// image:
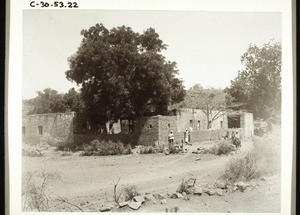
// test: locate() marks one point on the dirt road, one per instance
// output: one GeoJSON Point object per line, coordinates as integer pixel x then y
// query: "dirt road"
{"type": "Point", "coordinates": [88, 181]}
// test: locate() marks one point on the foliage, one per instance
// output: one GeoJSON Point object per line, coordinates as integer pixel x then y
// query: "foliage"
{"type": "Point", "coordinates": [50, 101]}
{"type": "Point", "coordinates": [150, 149]}
{"type": "Point", "coordinates": [50, 140]}
{"type": "Point", "coordinates": [97, 148]}
{"type": "Point", "coordinates": [263, 160]}
{"type": "Point", "coordinates": [130, 191]}
{"type": "Point", "coordinates": [257, 88]}
{"type": "Point", "coordinates": [211, 101]}
{"type": "Point", "coordinates": [34, 192]}
{"type": "Point", "coordinates": [222, 147]}
{"type": "Point", "coordinates": [32, 151]}
{"type": "Point", "coordinates": [123, 74]}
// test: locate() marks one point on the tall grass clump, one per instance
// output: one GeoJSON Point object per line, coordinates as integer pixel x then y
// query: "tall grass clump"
{"type": "Point", "coordinates": [35, 195]}
{"type": "Point", "coordinates": [130, 191]}
{"type": "Point", "coordinates": [98, 148]}
{"type": "Point", "coordinates": [263, 160]}
{"type": "Point", "coordinates": [222, 147]}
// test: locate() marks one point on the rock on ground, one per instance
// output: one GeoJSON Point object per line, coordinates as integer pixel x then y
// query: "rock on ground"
{"type": "Point", "coordinates": [105, 208]}
{"type": "Point", "coordinates": [163, 201]}
{"type": "Point", "coordinates": [134, 205]}
{"type": "Point", "coordinates": [139, 199]}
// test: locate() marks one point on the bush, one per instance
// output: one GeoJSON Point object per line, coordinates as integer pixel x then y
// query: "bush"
{"type": "Point", "coordinates": [130, 191]}
{"type": "Point", "coordinates": [263, 160]}
{"type": "Point", "coordinates": [151, 149]}
{"type": "Point", "coordinates": [50, 140]}
{"type": "Point", "coordinates": [222, 147]}
{"type": "Point", "coordinates": [34, 190]}
{"type": "Point", "coordinates": [105, 148]}
{"type": "Point", "coordinates": [32, 151]}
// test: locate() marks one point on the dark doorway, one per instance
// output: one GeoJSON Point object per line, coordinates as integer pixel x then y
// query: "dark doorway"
{"type": "Point", "coordinates": [234, 121]}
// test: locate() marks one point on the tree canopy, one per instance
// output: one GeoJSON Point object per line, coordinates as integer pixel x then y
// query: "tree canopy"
{"type": "Point", "coordinates": [123, 74]}
{"type": "Point", "coordinates": [50, 101]}
{"type": "Point", "coordinates": [257, 88]}
{"type": "Point", "coordinates": [211, 101]}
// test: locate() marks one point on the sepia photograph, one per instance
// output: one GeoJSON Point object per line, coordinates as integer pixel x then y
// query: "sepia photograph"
{"type": "Point", "coordinates": [151, 111]}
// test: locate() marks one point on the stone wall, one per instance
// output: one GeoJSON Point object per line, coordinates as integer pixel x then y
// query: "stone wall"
{"type": "Point", "coordinates": [197, 119]}
{"type": "Point", "coordinates": [59, 125]}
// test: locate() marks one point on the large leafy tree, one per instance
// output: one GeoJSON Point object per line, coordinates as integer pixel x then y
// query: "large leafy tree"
{"type": "Point", "coordinates": [50, 101]}
{"type": "Point", "coordinates": [123, 74]}
{"type": "Point", "coordinates": [211, 101]}
{"type": "Point", "coordinates": [47, 101]}
{"type": "Point", "coordinates": [257, 88]}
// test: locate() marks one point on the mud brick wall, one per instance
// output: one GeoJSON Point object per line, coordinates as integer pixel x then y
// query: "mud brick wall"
{"type": "Point", "coordinates": [59, 125]}
{"type": "Point", "coordinates": [166, 124]}
{"type": "Point", "coordinates": [197, 119]}
{"type": "Point", "coordinates": [146, 131]}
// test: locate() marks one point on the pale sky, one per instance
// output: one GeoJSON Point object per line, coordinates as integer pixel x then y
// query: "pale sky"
{"type": "Point", "coordinates": [207, 46]}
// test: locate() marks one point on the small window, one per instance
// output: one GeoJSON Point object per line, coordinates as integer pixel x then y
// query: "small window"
{"type": "Point", "coordinates": [169, 125]}
{"type": "Point", "coordinates": [221, 124]}
{"type": "Point", "coordinates": [198, 125]}
{"type": "Point", "coordinates": [149, 126]}
{"type": "Point", "coordinates": [40, 128]}
{"type": "Point", "coordinates": [24, 130]}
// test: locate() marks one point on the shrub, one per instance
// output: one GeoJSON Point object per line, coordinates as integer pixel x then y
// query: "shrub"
{"type": "Point", "coordinates": [151, 149]}
{"type": "Point", "coordinates": [32, 151]}
{"type": "Point", "coordinates": [105, 148]}
{"type": "Point", "coordinates": [34, 190]}
{"type": "Point", "coordinates": [50, 140]}
{"type": "Point", "coordinates": [130, 191]}
{"type": "Point", "coordinates": [222, 147]}
{"type": "Point", "coordinates": [263, 160]}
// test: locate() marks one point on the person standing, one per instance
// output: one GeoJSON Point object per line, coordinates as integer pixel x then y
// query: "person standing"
{"type": "Point", "coordinates": [171, 138]}
{"type": "Point", "coordinates": [186, 137]}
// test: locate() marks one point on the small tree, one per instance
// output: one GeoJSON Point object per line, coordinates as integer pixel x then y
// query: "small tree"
{"type": "Point", "coordinates": [211, 101]}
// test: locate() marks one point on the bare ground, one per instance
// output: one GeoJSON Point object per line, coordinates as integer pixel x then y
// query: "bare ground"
{"type": "Point", "coordinates": [88, 181]}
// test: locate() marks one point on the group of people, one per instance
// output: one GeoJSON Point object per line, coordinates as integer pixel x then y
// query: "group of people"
{"type": "Point", "coordinates": [234, 136]}
{"type": "Point", "coordinates": [186, 137]}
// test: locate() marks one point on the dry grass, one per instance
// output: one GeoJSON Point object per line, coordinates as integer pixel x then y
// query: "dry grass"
{"type": "Point", "coordinates": [262, 160]}
{"type": "Point", "coordinates": [129, 192]}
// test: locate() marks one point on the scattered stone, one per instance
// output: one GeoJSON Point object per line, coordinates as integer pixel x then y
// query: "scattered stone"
{"type": "Point", "coordinates": [149, 197]}
{"type": "Point", "coordinates": [220, 184]}
{"type": "Point", "coordinates": [242, 185]}
{"type": "Point", "coordinates": [253, 184]}
{"type": "Point", "coordinates": [158, 196]}
{"type": "Point", "coordinates": [163, 201]}
{"type": "Point", "coordinates": [219, 192]}
{"type": "Point", "coordinates": [198, 159]}
{"type": "Point", "coordinates": [139, 199]}
{"type": "Point", "coordinates": [235, 188]}
{"type": "Point", "coordinates": [123, 204]}
{"type": "Point", "coordinates": [176, 195]}
{"type": "Point", "coordinates": [191, 182]}
{"type": "Point", "coordinates": [166, 152]}
{"type": "Point", "coordinates": [105, 208]}
{"type": "Point", "coordinates": [134, 205]}
{"type": "Point", "coordinates": [211, 192]}
{"type": "Point", "coordinates": [198, 191]}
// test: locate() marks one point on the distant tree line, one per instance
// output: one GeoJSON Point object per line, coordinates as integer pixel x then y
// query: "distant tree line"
{"type": "Point", "coordinates": [122, 74]}
{"type": "Point", "coordinates": [50, 101]}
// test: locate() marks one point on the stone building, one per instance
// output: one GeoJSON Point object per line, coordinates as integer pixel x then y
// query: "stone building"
{"type": "Point", "coordinates": [150, 130]}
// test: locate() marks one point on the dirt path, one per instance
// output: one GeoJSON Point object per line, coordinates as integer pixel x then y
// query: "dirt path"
{"type": "Point", "coordinates": [89, 181]}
